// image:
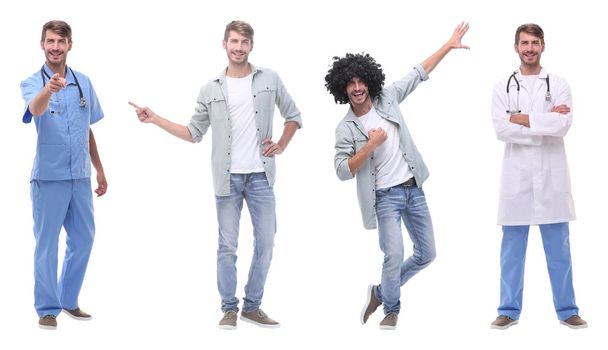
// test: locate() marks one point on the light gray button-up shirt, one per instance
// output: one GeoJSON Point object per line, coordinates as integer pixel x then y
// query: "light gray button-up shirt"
{"type": "Point", "coordinates": [212, 110]}
{"type": "Point", "coordinates": [351, 137]}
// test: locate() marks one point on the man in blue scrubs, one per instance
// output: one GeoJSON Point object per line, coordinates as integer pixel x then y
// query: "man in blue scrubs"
{"type": "Point", "coordinates": [63, 105]}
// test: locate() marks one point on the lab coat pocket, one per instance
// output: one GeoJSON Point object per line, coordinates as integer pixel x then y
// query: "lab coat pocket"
{"type": "Point", "coordinates": [510, 183]}
{"type": "Point", "coordinates": [560, 180]}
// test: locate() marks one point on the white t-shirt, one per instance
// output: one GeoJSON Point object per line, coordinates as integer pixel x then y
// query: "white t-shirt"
{"type": "Point", "coordinates": [245, 152]}
{"type": "Point", "coordinates": [391, 168]}
{"type": "Point", "coordinates": [530, 81]}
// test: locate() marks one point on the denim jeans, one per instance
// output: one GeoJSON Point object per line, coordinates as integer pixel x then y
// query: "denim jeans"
{"type": "Point", "coordinates": [393, 205]}
{"type": "Point", "coordinates": [512, 260]}
{"type": "Point", "coordinates": [259, 195]}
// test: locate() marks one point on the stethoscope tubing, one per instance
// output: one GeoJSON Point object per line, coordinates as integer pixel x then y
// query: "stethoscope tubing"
{"type": "Point", "coordinates": [44, 74]}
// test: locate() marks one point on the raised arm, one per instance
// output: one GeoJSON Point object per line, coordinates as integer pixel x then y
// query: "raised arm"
{"type": "Point", "coordinates": [146, 115]}
{"type": "Point", "coordinates": [454, 43]}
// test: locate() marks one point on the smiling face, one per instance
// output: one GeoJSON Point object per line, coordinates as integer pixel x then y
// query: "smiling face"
{"type": "Point", "coordinates": [55, 48]}
{"type": "Point", "coordinates": [358, 94]}
{"type": "Point", "coordinates": [529, 48]}
{"type": "Point", "coordinates": [238, 48]}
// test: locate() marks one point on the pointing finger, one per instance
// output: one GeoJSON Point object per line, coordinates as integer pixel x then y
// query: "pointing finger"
{"type": "Point", "coordinates": [134, 105]}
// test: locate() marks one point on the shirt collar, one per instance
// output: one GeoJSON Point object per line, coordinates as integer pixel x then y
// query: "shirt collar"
{"type": "Point", "coordinates": [220, 78]}
{"type": "Point", "coordinates": [69, 77]}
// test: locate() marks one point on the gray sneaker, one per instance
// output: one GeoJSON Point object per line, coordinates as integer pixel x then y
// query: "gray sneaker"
{"type": "Point", "coordinates": [229, 320]}
{"type": "Point", "coordinates": [389, 321]}
{"type": "Point", "coordinates": [258, 317]}
{"type": "Point", "coordinates": [574, 322]}
{"type": "Point", "coordinates": [48, 322]}
{"type": "Point", "coordinates": [503, 322]}
{"type": "Point", "coordinates": [371, 304]}
{"type": "Point", "coordinates": [77, 314]}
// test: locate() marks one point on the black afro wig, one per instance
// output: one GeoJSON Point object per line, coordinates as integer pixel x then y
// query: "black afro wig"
{"type": "Point", "coordinates": [360, 65]}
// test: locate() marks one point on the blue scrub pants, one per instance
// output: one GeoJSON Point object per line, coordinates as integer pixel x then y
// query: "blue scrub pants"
{"type": "Point", "coordinates": [55, 204]}
{"type": "Point", "coordinates": [512, 259]}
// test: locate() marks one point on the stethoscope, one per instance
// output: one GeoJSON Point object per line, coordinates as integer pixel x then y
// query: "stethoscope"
{"type": "Point", "coordinates": [83, 102]}
{"type": "Point", "coordinates": [517, 110]}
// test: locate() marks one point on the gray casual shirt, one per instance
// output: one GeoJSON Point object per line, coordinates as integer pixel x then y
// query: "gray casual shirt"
{"type": "Point", "coordinates": [351, 137]}
{"type": "Point", "coordinates": [212, 110]}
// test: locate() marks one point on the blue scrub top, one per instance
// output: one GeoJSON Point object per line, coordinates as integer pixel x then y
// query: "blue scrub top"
{"type": "Point", "coordinates": [62, 148]}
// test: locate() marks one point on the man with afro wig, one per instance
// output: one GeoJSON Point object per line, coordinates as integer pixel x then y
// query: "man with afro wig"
{"type": "Point", "coordinates": [374, 145]}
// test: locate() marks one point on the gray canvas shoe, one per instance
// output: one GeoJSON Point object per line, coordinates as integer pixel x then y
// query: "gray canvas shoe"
{"type": "Point", "coordinates": [229, 320]}
{"type": "Point", "coordinates": [371, 304]}
{"type": "Point", "coordinates": [78, 314]}
{"type": "Point", "coordinates": [48, 322]}
{"type": "Point", "coordinates": [503, 322]}
{"type": "Point", "coordinates": [259, 318]}
{"type": "Point", "coordinates": [574, 322]}
{"type": "Point", "coordinates": [389, 322]}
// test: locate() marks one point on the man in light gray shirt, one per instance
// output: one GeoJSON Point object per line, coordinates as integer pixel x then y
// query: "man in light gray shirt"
{"type": "Point", "coordinates": [373, 143]}
{"type": "Point", "coordinates": [239, 106]}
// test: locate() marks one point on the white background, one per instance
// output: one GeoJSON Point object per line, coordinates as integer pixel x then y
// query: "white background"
{"type": "Point", "coordinates": [151, 279]}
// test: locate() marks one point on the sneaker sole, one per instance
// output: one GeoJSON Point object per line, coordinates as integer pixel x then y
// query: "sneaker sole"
{"type": "Point", "coordinates": [370, 290]}
{"type": "Point", "coordinates": [263, 325]}
{"type": "Point", "coordinates": [388, 328]}
{"type": "Point", "coordinates": [502, 328]}
{"type": "Point", "coordinates": [49, 328]}
{"type": "Point", "coordinates": [77, 317]}
{"type": "Point", "coordinates": [227, 327]}
{"type": "Point", "coordinates": [573, 326]}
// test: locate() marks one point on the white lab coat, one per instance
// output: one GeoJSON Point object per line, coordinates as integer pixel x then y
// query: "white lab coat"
{"type": "Point", "coordinates": [535, 182]}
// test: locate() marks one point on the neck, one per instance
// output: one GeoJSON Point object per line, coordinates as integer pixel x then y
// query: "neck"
{"type": "Point", "coordinates": [362, 109]}
{"type": "Point", "coordinates": [530, 70]}
{"type": "Point", "coordinates": [57, 68]}
{"type": "Point", "coordinates": [238, 70]}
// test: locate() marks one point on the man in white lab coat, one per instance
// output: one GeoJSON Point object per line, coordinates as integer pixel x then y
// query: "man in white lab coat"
{"type": "Point", "coordinates": [532, 113]}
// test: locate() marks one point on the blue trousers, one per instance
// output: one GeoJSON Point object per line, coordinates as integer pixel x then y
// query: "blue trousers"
{"type": "Point", "coordinates": [55, 204]}
{"type": "Point", "coordinates": [259, 196]}
{"type": "Point", "coordinates": [394, 205]}
{"type": "Point", "coordinates": [512, 260]}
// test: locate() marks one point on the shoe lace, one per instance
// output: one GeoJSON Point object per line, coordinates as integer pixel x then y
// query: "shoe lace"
{"type": "Point", "coordinates": [391, 316]}
{"type": "Point", "coordinates": [49, 317]}
{"type": "Point", "coordinates": [229, 315]}
{"type": "Point", "coordinates": [261, 314]}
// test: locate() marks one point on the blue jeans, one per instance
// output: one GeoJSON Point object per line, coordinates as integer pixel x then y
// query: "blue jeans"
{"type": "Point", "coordinates": [393, 205]}
{"type": "Point", "coordinates": [57, 204]}
{"type": "Point", "coordinates": [513, 257]}
{"type": "Point", "coordinates": [259, 195]}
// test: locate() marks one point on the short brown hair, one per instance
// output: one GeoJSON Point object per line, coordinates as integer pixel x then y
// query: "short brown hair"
{"type": "Point", "coordinates": [532, 29]}
{"type": "Point", "coordinates": [58, 27]}
{"type": "Point", "coordinates": [240, 27]}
